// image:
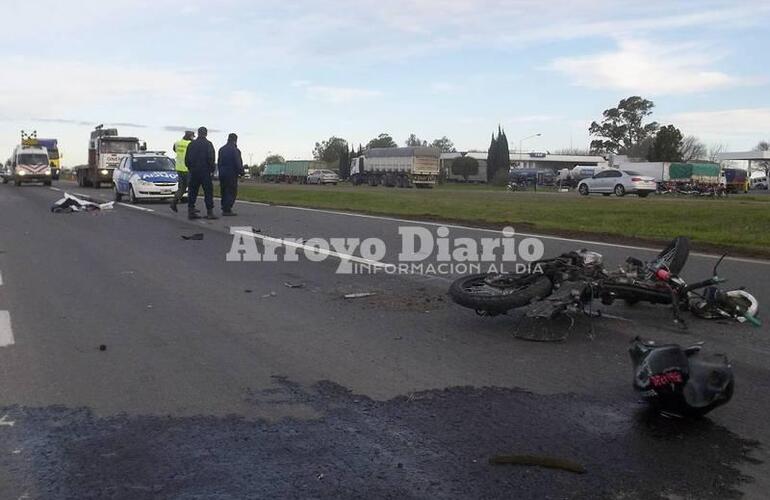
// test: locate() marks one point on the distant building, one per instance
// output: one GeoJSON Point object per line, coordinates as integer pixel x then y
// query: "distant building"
{"type": "Point", "coordinates": [554, 163]}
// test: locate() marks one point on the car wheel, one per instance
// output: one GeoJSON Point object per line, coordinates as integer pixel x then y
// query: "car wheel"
{"type": "Point", "coordinates": [47, 183]}
{"type": "Point", "coordinates": [118, 196]}
{"type": "Point", "coordinates": [5, 180]}
{"type": "Point", "coordinates": [583, 189]}
{"type": "Point", "coordinates": [132, 196]}
{"type": "Point", "coordinates": [17, 183]}
{"type": "Point", "coordinates": [620, 190]}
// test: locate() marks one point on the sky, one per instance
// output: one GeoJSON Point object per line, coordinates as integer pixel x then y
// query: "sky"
{"type": "Point", "coordinates": [286, 74]}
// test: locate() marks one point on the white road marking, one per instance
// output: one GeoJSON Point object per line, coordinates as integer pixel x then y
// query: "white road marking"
{"type": "Point", "coordinates": [6, 333]}
{"type": "Point", "coordinates": [496, 231]}
{"type": "Point", "coordinates": [4, 422]}
{"type": "Point", "coordinates": [321, 251]}
{"type": "Point", "coordinates": [135, 207]}
{"type": "Point", "coordinates": [1, 279]}
{"type": "Point", "coordinates": [54, 189]}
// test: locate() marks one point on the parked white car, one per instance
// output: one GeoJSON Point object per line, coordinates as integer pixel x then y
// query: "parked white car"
{"type": "Point", "coordinates": [619, 182]}
{"type": "Point", "coordinates": [323, 177]}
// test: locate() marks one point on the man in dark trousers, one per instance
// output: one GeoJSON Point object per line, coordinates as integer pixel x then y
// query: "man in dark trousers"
{"type": "Point", "coordinates": [200, 161]}
{"type": "Point", "coordinates": [230, 166]}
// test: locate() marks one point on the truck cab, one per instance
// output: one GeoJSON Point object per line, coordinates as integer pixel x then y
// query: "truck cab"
{"type": "Point", "coordinates": [106, 149]}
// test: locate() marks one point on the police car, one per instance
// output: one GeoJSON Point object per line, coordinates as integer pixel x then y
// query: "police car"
{"type": "Point", "coordinates": [145, 175]}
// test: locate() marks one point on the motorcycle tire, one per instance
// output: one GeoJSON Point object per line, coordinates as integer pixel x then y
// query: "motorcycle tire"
{"type": "Point", "coordinates": [478, 291]}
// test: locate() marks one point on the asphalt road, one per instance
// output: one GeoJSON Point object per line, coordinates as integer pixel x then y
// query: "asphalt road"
{"type": "Point", "coordinates": [216, 380]}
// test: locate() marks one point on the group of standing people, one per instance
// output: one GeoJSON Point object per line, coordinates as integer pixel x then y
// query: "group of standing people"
{"type": "Point", "coordinates": [196, 163]}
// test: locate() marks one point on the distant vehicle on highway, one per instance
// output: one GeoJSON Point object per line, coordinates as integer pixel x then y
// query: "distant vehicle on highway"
{"type": "Point", "coordinates": [323, 177]}
{"type": "Point", "coordinates": [619, 182]}
{"type": "Point", "coordinates": [146, 175]}
{"type": "Point", "coordinates": [402, 167]}
{"type": "Point", "coordinates": [106, 149]}
{"type": "Point", "coordinates": [758, 181]}
{"type": "Point", "coordinates": [28, 163]}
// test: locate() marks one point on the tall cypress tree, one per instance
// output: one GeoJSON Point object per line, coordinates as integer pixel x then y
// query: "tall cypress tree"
{"type": "Point", "coordinates": [504, 153]}
{"type": "Point", "coordinates": [491, 159]}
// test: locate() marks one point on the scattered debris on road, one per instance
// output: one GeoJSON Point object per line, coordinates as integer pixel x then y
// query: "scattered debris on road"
{"type": "Point", "coordinates": [102, 347]}
{"type": "Point", "coordinates": [196, 237]}
{"type": "Point", "coordinates": [289, 284]}
{"type": "Point", "coordinates": [70, 203]}
{"type": "Point", "coordinates": [4, 422]}
{"type": "Point", "coordinates": [538, 461]}
{"type": "Point", "coordinates": [359, 295]}
{"type": "Point", "coordinates": [268, 295]}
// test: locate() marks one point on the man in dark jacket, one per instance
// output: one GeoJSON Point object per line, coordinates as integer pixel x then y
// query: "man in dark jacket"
{"type": "Point", "coordinates": [200, 162]}
{"type": "Point", "coordinates": [230, 166]}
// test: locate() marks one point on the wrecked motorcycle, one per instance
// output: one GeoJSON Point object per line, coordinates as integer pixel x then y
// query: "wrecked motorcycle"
{"type": "Point", "coordinates": [681, 381]}
{"type": "Point", "coordinates": [572, 281]}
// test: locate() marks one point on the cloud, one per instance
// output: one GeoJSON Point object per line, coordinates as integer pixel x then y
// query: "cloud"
{"type": "Point", "coordinates": [648, 68]}
{"type": "Point", "coordinates": [745, 125]}
{"type": "Point", "coordinates": [80, 84]}
{"type": "Point", "coordinates": [340, 95]}
{"type": "Point", "coordinates": [243, 100]}
{"type": "Point", "coordinates": [445, 88]}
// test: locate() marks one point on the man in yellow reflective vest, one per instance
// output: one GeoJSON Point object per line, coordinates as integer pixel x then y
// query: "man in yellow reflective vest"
{"type": "Point", "coordinates": [180, 148]}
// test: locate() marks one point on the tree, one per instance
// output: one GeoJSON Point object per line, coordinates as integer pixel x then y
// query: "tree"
{"type": "Point", "coordinates": [503, 152]}
{"type": "Point", "coordinates": [329, 151]}
{"type": "Point", "coordinates": [622, 127]}
{"type": "Point", "coordinates": [382, 141]}
{"type": "Point", "coordinates": [763, 146]}
{"type": "Point", "coordinates": [413, 140]}
{"type": "Point", "coordinates": [344, 164]}
{"type": "Point", "coordinates": [465, 166]}
{"type": "Point", "coordinates": [692, 149]}
{"type": "Point", "coordinates": [491, 158]}
{"type": "Point", "coordinates": [713, 152]}
{"type": "Point", "coordinates": [444, 144]}
{"type": "Point", "coordinates": [667, 145]}
{"type": "Point", "coordinates": [271, 159]}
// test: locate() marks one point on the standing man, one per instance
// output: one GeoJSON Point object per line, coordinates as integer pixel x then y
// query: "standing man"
{"type": "Point", "coordinates": [200, 161]}
{"type": "Point", "coordinates": [180, 148]}
{"type": "Point", "coordinates": [230, 166]}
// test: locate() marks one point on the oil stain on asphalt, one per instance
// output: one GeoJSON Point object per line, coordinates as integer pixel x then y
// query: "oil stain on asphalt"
{"type": "Point", "coordinates": [422, 445]}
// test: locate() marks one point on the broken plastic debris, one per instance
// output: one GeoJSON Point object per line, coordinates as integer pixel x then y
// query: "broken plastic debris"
{"type": "Point", "coordinates": [293, 285]}
{"type": "Point", "coordinates": [196, 236]}
{"type": "Point", "coordinates": [271, 294]}
{"type": "Point", "coordinates": [538, 461]}
{"type": "Point", "coordinates": [359, 295]}
{"type": "Point", "coordinates": [70, 203]}
{"type": "Point", "coordinates": [102, 347]}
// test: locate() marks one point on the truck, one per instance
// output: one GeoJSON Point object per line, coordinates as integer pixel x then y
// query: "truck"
{"type": "Point", "coordinates": [54, 156]}
{"type": "Point", "coordinates": [736, 180]}
{"type": "Point", "coordinates": [291, 171]}
{"type": "Point", "coordinates": [676, 172]}
{"type": "Point", "coordinates": [403, 167]}
{"type": "Point", "coordinates": [105, 150]}
{"type": "Point", "coordinates": [570, 177]}
{"type": "Point", "coordinates": [28, 163]}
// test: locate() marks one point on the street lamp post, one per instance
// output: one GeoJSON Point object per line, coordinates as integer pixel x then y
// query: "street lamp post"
{"type": "Point", "coordinates": [521, 154]}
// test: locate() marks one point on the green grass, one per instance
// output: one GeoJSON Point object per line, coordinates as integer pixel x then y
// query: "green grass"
{"type": "Point", "coordinates": [739, 222]}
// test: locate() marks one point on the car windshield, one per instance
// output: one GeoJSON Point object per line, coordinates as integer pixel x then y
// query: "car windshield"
{"type": "Point", "coordinates": [118, 147]}
{"type": "Point", "coordinates": [152, 163]}
{"type": "Point", "coordinates": [33, 159]}
{"type": "Point", "coordinates": [631, 172]}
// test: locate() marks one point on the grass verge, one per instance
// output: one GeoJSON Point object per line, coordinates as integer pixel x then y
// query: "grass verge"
{"type": "Point", "coordinates": [737, 224]}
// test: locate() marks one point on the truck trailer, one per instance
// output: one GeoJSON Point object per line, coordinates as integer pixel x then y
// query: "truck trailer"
{"type": "Point", "coordinates": [105, 150]}
{"type": "Point", "coordinates": [401, 167]}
